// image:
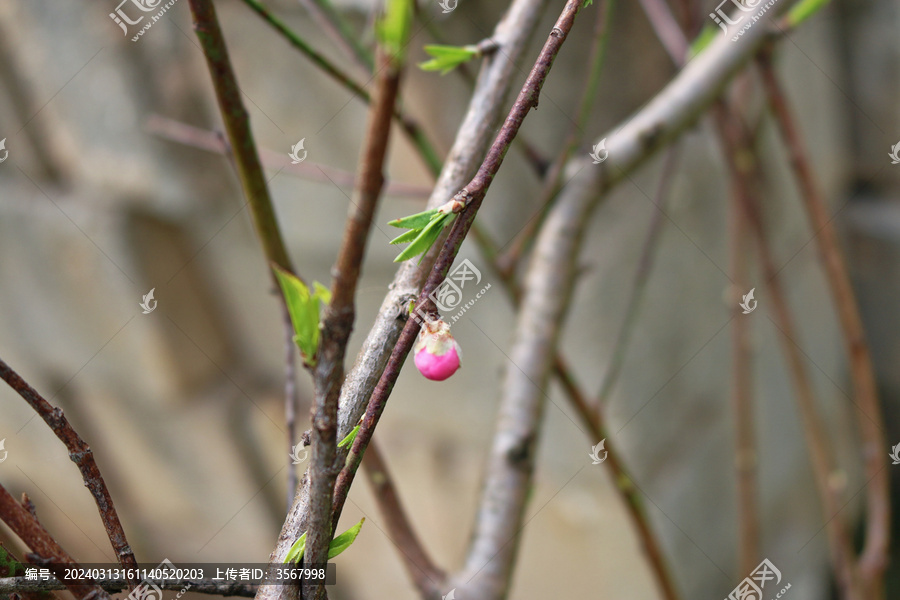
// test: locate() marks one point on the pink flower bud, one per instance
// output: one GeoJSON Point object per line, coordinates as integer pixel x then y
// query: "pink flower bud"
{"type": "Point", "coordinates": [437, 354]}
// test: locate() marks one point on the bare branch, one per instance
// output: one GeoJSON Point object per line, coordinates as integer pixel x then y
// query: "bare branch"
{"type": "Point", "coordinates": [873, 560]}
{"type": "Point", "coordinates": [82, 455]}
{"type": "Point", "coordinates": [212, 141]}
{"type": "Point", "coordinates": [337, 321]}
{"type": "Point", "coordinates": [426, 576]}
{"type": "Point", "coordinates": [240, 136]}
{"type": "Point", "coordinates": [26, 526]}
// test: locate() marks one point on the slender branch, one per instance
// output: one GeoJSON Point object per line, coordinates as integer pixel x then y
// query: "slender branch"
{"type": "Point", "coordinates": [638, 285]}
{"type": "Point", "coordinates": [873, 560]}
{"type": "Point", "coordinates": [742, 163]}
{"type": "Point", "coordinates": [337, 322]}
{"type": "Point", "coordinates": [291, 400]}
{"type": "Point", "coordinates": [196, 586]}
{"type": "Point", "coordinates": [82, 455]}
{"type": "Point", "coordinates": [410, 126]}
{"type": "Point", "coordinates": [745, 454]}
{"type": "Point", "coordinates": [554, 174]}
{"type": "Point", "coordinates": [240, 136]}
{"type": "Point", "coordinates": [212, 141]}
{"type": "Point", "coordinates": [25, 525]}
{"type": "Point", "coordinates": [426, 576]}
{"type": "Point", "coordinates": [624, 482]}
{"type": "Point", "coordinates": [340, 31]}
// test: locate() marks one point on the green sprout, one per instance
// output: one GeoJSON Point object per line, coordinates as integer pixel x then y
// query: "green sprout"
{"type": "Point", "coordinates": [424, 229]}
{"type": "Point", "coordinates": [338, 544]}
{"type": "Point", "coordinates": [303, 305]}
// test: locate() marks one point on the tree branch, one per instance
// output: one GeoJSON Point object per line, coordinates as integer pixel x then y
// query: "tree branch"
{"type": "Point", "coordinates": [82, 455]}
{"type": "Point", "coordinates": [873, 560]}
{"type": "Point", "coordinates": [337, 321]}
{"type": "Point", "coordinates": [240, 136]}
{"type": "Point", "coordinates": [426, 576]}
{"type": "Point", "coordinates": [26, 526]}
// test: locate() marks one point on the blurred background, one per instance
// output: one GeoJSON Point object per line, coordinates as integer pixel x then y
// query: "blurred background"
{"type": "Point", "coordinates": [184, 406]}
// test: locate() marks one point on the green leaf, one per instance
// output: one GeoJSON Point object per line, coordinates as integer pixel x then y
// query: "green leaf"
{"type": "Point", "coordinates": [343, 541]}
{"type": "Point", "coordinates": [403, 238]}
{"type": "Point", "coordinates": [416, 221]}
{"type": "Point", "coordinates": [804, 10]}
{"type": "Point", "coordinates": [426, 238]}
{"type": "Point", "coordinates": [322, 292]}
{"type": "Point", "coordinates": [587, 3]}
{"type": "Point", "coordinates": [338, 544]}
{"type": "Point", "coordinates": [295, 554]}
{"type": "Point", "coordinates": [447, 58]}
{"type": "Point", "coordinates": [707, 35]}
{"type": "Point", "coordinates": [350, 437]}
{"type": "Point", "coordinates": [393, 29]}
{"type": "Point", "coordinates": [303, 308]}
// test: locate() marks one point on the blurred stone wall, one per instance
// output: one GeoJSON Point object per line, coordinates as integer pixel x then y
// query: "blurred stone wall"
{"type": "Point", "coordinates": [183, 406]}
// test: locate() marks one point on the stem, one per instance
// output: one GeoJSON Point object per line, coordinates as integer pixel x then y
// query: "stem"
{"type": "Point", "coordinates": [25, 525]}
{"type": "Point", "coordinates": [426, 576]}
{"type": "Point", "coordinates": [337, 321]}
{"type": "Point", "coordinates": [873, 560]}
{"type": "Point", "coordinates": [290, 401]}
{"type": "Point", "coordinates": [745, 453]}
{"type": "Point", "coordinates": [742, 161]}
{"type": "Point", "coordinates": [82, 455]}
{"type": "Point", "coordinates": [240, 136]}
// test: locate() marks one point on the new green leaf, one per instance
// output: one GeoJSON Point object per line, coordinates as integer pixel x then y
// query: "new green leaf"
{"type": "Point", "coordinates": [426, 237]}
{"type": "Point", "coordinates": [303, 307]}
{"type": "Point", "coordinates": [416, 221]}
{"type": "Point", "coordinates": [393, 28]}
{"type": "Point", "coordinates": [350, 437]}
{"type": "Point", "coordinates": [338, 544]}
{"type": "Point", "coordinates": [447, 58]}
{"type": "Point", "coordinates": [343, 541]}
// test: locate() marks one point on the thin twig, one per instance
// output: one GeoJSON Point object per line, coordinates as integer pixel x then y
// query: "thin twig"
{"type": "Point", "coordinates": [410, 126]}
{"type": "Point", "coordinates": [873, 560]}
{"type": "Point", "coordinates": [291, 400]}
{"type": "Point", "coordinates": [426, 576]}
{"type": "Point", "coordinates": [338, 318]}
{"type": "Point", "coordinates": [327, 17]}
{"type": "Point", "coordinates": [212, 141]}
{"type": "Point", "coordinates": [240, 136]}
{"type": "Point", "coordinates": [745, 453]}
{"type": "Point", "coordinates": [554, 174]}
{"type": "Point", "coordinates": [742, 162]}
{"type": "Point", "coordinates": [25, 525]}
{"type": "Point", "coordinates": [639, 284]}
{"type": "Point", "coordinates": [82, 455]}
{"type": "Point", "coordinates": [196, 586]}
